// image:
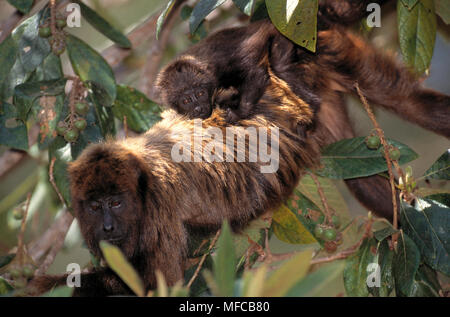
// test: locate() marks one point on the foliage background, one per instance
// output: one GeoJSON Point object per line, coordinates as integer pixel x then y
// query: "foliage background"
{"type": "Point", "coordinates": [31, 173]}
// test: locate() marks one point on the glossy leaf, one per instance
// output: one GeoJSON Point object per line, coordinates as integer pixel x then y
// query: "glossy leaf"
{"type": "Point", "coordinates": [23, 6]}
{"type": "Point", "coordinates": [441, 168]}
{"type": "Point", "coordinates": [90, 65]}
{"type": "Point", "coordinates": [384, 258]}
{"type": "Point", "coordinates": [50, 69]}
{"type": "Point", "coordinates": [287, 275]}
{"type": "Point", "coordinates": [443, 198]}
{"type": "Point", "coordinates": [246, 6]}
{"type": "Point", "coordinates": [162, 17]}
{"type": "Point", "coordinates": [141, 112]}
{"type": "Point", "coordinates": [201, 10]}
{"type": "Point", "coordinates": [6, 259]}
{"type": "Point", "coordinates": [295, 19]}
{"type": "Point", "coordinates": [427, 224]}
{"type": "Point", "coordinates": [288, 228]}
{"type": "Point", "coordinates": [8, 54]}
{"type": "Point", "coordinates": [5, 287]}
{"type": "Point", "coordinates": [32, 48]}
{"type": "Point", "coordinates": [119, 264]}
{"type": "Point", "coordinates": [317, 281]}
{"type": "Point", "coordinates": [417, 33]}
{"type": "Point", "coordinates": [405, 264]}
{"type": "Point", "coordinates": [224, 262]}
{"type": "Point", "coordinates": [13, 132]}
{"type": "Point", "coordinates": [104, 26]}
{"type": "Point", "coordinates": [351, 158]}
{"type": "Point", "coordinates": [356, 269]}
{"type": "Point", "coordinates": [442, 8]}
{"type": "Point", "coordinates": [103, 112]}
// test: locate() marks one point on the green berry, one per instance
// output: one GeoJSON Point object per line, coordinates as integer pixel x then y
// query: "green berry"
{"type": "Point", "coordinates": [15, 273]}
{"type": "Point", "coordinates": [71, 135]}
{"type": "Point", "coordinates": [18, 213]}
{"type": "Point", "coordinates": [58, 47]}
{"type": "Point", "coordinates": [28, 271]}
{"type": "Point", "coordinates": [335, 221]}
{"type": "Point", "coordinates": [329, 234]}
{"type": "Point", "coordinates": [80, 124]}
{"type": "Point", "coordinates": [81, 108]}
{"type": "Point", "coordinates": [45, 32]}
{"type": "Point", "coordinates": [394, 154]}
{"type": "Point", "coordinates": [61, 23]}
{"type": "Point", "coordinates": [373, 142]}
{"type": "Point", "coordinates": [61, 128]}
{"type": "Point", "coordinates": [318, 231]}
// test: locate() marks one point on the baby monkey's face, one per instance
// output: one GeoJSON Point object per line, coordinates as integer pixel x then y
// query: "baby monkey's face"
{"type": "Point", "coordinates": [195, 102]}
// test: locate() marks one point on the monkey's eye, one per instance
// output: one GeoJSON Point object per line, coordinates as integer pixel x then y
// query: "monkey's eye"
{"type": "Point", "coordinates": [116, 204]}
{"type": "Point", "coordinates": [200, 93]}
{"type": "Point", "coordinates": [186, 100]}
{"type": "Point", "coordinates": [95, 206]}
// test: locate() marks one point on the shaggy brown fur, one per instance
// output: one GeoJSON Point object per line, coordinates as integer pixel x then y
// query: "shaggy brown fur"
{"type": "Point", "coordinates": [166, 198]}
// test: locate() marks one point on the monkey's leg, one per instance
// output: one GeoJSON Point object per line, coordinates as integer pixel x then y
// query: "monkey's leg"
{"type": "Point", "coordinates": [382, 81]}
{"type": "Point", "coordinates": [374, 192]}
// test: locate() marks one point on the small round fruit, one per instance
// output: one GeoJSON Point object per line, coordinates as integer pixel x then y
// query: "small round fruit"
{"type": "Point", "coordinates": [58, 47]}
{"type": "Point", "coordinates": [71, 135]}
{"type": "Point", "coordinates": [80, 124]}
{"type": "Point", "coordinates": [373, 142]}
{"type": "Point", "coordinates": [81, 108]}
{"type": "Point", "coordinates": [61, 128]}
{"type": "Point", "coordinates": [28, 271]}
{"type": "Point", "coordinates": [18, 213]}
{"type": "Point", "coordinates": [318, 231]}
{"type": "Point", "coordinates": [15, 273]}
{"type": "Point", "coordinates": [329, 234]}
{"type": "Point", "coordinates": [61, 23]}
{"type": "Point", "coordinates": [336, 221]}
{"type": "Point", "coordinates": [394, 154]}
{"type": "Point", "coordinates": [45, 31]}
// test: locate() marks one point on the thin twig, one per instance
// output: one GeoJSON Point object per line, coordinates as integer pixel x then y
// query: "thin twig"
{"type": "Point", "coordinates": [386, 155]}
{"type": "Point", "coordinates": [322, 197]}
{"type": "Point", "coordinates": [200, 264]}
{"type": "Point", "coordinates": [20, 245]}
{"type": "Point", "coordinates": [52, 181]}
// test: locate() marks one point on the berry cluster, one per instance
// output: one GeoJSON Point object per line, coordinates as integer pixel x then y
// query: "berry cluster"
{"type": "Point", "coordinates": [373, 142]}
{"type": "Point", "coordinates": [55, 35]}
{"type": "Point", "coordinates": [326, 230]}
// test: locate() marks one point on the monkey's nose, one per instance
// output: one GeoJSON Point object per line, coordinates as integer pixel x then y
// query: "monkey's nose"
{"type": "Point", "coordinates": [108, 227]}
{"type": "Point", "coordinates": [197, 110]}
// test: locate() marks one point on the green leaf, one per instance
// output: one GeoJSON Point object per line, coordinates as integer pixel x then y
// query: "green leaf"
{"type": "Point", "coordinates": [17, 75]}
{"type": "Point", "coordinates": [295, 19]}
{"type": "Point", "coordinates": [287, 275]}
{"type": "Point", "coordinates": [5, 287]}
{"type": "Point", "coordinates": [259, 11]}
{"type": "Point", "coordinates": [6, 259]}
{"type": "Point", "coordinates": [90, 65]}
{"type": "Point", "coordinates": [201, 10]}
{"type": "Point", "coordinates": [288, 228]}
{"type": "Point", "coordinates": [442, 8]}
{"type": "Point", "coordinates": [246, 6]}
{"type": "Point", "coordinates": [119, 264]}
{"type": "Point", "coordinates": [23, 6]}
{"type": "Point", "coordinates": [141, 112]}
{"type": "Point", "coordinates": [355, 272]}
{"type": "Point", "coordinates": [254, 231]}
{"type": "Point", "coordinates": [162, 17]}
{"type": "Point", "coordinates": [441, 168]}
{"type": "Point", "coordinates": [417, 33]}
{"type": "Point", "coordinates": [351, 158]}
{"type": "Point", "coordinates": [382, 234]}
{"type": "Point", "coordinates": [427, 225]}
{"type": "Point", "coordinates": [225, 262]}
{"type": "Point", "coordinates": [426, 283]}
{"type": "Point", "coordinates": [8, 54]}
{"type": "Point", "coordinates": [405, 264]}
{"type": "Point", "coordinates": [61, 151]}
{"type": "Point", "coordinates": [104, 26]}
{"type": "Point", "coordinates": [443, 198]}
{"type": "Point", "coordinates": [27, 94]}
{"type": "Point", "coordinates": [317, 281]}
{"type": "Point", "coordinates": [51, 68]}
{"type": "Point", "coordinates": [32, 48]}
{"type": "Point", "coordinates": [103, 111]}
{"type": "Point", "coordinates": [384, 259]}
{"type": "Point", "coordinates": [13, 132]}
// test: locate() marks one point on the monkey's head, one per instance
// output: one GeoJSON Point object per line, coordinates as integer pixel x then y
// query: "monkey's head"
{"type": "Point", "coordinates": [187, 86]}
{"type": "Point", "coordinates": [107, 189]}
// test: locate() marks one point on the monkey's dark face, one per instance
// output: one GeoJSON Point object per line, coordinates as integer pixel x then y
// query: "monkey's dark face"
{"type": "Point", "coordinates": [195, 102]}
{"type": "Point", "coordinates": [111, 218]}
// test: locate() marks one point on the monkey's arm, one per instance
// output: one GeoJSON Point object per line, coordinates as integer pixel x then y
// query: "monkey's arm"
{"type": "Point", "coordinates": [382, 81]}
